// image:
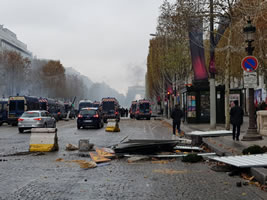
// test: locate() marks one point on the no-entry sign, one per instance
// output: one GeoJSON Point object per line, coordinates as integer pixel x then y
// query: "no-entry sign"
{"type": "Point", "coordinates": [249, 63]}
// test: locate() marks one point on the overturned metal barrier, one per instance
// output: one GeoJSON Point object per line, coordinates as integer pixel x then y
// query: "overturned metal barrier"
{"type": "Point", "coordinates": [112, 126]}
{"type": "Point", "coordinates": [145, 146]}
{"type": "Point", "coordinates": [43, 140]}
{"type": "Point", "coordinates": [197, 136]}
{"type": "Point", "coordinates": [256, 160]}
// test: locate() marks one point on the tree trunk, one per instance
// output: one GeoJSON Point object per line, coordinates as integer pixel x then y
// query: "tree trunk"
{"type": "Point", "coordinates": [227, 80]}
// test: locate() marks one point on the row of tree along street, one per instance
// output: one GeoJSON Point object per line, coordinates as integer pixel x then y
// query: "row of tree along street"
{"type": "Point", "coordinates": [169, 64]}
{"type": "Point", "coordinates": [36, 77]}
{"type": "Point", "coordinates": [49, 78]}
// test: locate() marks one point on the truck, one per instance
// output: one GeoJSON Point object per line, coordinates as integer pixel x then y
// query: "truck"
{"type": "Point", "coordinates": [110, 108]}
{"type": "Point", "coordinates": [143, 109]}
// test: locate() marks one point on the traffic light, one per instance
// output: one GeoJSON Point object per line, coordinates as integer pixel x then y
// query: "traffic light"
{"type": "Point", "coordinates": [168, 95]}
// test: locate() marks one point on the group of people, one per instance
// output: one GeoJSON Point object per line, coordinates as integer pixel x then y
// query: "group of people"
{"type": "Point", "coordinates": [124, 112]}
{"type": "Point", "coordinates": [236, 119]}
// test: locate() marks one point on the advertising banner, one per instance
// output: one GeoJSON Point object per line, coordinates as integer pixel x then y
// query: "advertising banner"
{"type": "Point", "coordinates": [197, 49]}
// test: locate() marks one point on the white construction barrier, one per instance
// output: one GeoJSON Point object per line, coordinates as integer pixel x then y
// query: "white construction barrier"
{"type": "Point", "coordinates": [43, 140]}
{"type": "Point", "coordinates": [112, 126]}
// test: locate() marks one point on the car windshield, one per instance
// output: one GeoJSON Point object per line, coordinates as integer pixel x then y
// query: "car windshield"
{"type": "Point", "coordinates": [133, 107]}
{"type": "Point", "coordinates": [85, 104]}
{"type": "Point", "coordinates": [30, 114]}
{"type": "Point", "coordinates": [144, 106]}
{"type": "Point", "coordinates": [108, 106]}
{"type": "Point", "coordinates": [88, 112]}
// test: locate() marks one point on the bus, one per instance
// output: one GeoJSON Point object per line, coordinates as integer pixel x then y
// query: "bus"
{"type": "Point", "coordinates": [110, 108]}
{"type": "Point", "coordinates": [3, 111]}
{"type": "Point", "coordinates": [85, 104]}
{"type": "Point", "coordinates": [143, 109]}
{"type": "Point", "coordinates": [17, 105]}
{"type": "Point", "coordinates": [133, 109]}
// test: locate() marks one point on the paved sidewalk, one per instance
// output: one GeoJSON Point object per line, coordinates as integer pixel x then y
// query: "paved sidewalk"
{"type": "Point", "coordinates": [225, 146]}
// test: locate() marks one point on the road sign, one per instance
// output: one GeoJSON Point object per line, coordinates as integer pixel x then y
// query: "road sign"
{"type": "Point", "coordinates": [249, 63]}
{"type": "Point", "coordinates": [250, 79]}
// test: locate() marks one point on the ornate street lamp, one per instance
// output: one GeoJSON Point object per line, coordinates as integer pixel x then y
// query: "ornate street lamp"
{"type": "Point", "coordinates": [249, 32]}
{"type": "Point", "coordinates": [251, 135]}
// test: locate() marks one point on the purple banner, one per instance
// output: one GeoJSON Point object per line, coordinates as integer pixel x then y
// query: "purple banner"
{"type": "Point", "coordinates": [197, 49]}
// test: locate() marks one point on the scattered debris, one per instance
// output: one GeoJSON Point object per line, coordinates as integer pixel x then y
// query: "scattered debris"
{"type": "Point", "coordinates": [84, 145]}
{"type": "Point", "coordinates": [59, 160]}
{"type": "Point", "coordinates": [83, 163]}
{"type": "Point", "coordinates": [137, 158]}
{"type": "Point", "coordinates": [170, 155]}
{"type": "Point", "coordinates": [70, 147]}
{"type": "Point", "coordinates": [246, 177]}
{"type": "Point", "coordinates": [87, 164]}
{"type": "Point", "coordinates": [145, 146]}
{"type": "Point", "coordinates": [105, 152]}
{"type": "Point", "coordinates": [3, 160]}
{"type": "Point", "coordinates": [193, 148]}
{"type": "Point", "coordinates": [192, 158]}
{"type": "Point", "coordinates": [97, 158]}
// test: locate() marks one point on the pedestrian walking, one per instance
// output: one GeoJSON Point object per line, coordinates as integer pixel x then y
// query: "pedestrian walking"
{"type": "Point", "coordinates": [176, 115]}
{"type": "Point", "coordinates": [236, 119]}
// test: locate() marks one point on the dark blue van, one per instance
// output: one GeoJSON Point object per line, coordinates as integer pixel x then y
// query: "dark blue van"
{"type": "Point", "coordinates": [17, 105]}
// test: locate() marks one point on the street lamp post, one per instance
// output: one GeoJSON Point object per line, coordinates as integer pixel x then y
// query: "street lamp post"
{"type": "Point", "coordinates": [251, 134]}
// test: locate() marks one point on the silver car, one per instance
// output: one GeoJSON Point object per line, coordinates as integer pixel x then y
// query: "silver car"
{"type": "Point", "coordinates": [36, 119]}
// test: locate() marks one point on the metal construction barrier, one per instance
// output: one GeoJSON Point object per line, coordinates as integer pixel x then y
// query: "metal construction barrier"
{"type": "Point", "coordinates": [112, 126]}
{"type": "Point", "coordinates": [43, 140]}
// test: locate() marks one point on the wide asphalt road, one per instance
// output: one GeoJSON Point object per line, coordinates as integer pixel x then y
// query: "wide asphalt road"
{"type": "Point", "coordinates": [55, 175]}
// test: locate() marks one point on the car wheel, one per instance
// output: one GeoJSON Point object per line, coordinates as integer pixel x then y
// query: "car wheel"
{"type": "Point", "coordinates": [45, 125]}
{"type": "Point", "coordinates": [1, 123]}
{"type": "Point", "coordinates": [20, 130]}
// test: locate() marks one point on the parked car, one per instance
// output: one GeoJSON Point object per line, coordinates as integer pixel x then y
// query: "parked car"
{"type": "Point", "coordinates": [36, 119]}
{"type": "Point", "coordinates": [90, 117]}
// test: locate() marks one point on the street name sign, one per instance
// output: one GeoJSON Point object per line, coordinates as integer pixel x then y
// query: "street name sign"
{"type": "Point", "coordinates": [249, 63]}
{"type": "Point", "coordinates": [250, 79]}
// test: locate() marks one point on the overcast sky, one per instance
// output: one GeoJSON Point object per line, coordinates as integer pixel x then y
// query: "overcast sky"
{"type": "Point", "coordinates": [106, 40]}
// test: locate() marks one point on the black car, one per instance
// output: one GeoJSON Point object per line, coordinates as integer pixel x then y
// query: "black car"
{"type": "Point", "coordinates": [90, 117]}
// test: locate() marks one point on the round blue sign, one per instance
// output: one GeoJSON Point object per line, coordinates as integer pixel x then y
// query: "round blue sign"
{"type": "Point", "coordinates": [249, 63]}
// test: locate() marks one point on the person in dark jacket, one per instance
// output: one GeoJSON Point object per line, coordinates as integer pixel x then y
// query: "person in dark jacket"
{"type": "Point", "coordinates": [236, 119]}
{"type": "Point", "coordinates": [176, 115]}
